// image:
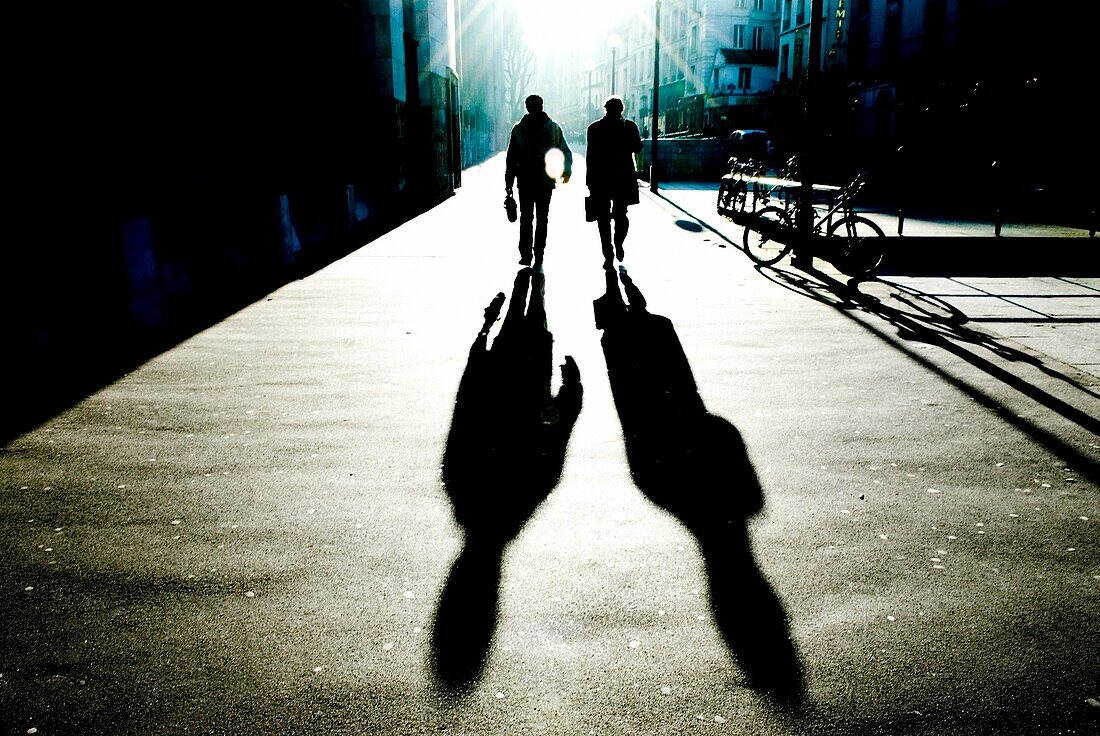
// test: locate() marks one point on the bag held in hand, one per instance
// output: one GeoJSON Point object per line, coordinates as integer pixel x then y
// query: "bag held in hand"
{"type": "Point", "coordinates": [592, 208]}
{"type": "Point", "coordinates": [510, 208]}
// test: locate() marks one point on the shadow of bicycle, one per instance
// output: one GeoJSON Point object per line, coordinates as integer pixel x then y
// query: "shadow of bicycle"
{"type": "Point", "coordinates": [926, 319]}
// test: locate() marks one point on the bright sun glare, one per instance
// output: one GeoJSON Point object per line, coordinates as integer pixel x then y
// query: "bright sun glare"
{"type": "Point", "coordinates": [568, 25]}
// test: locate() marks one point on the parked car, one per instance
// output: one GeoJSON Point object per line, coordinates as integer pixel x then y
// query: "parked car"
{"type": "Point", "coordinates": [752, 143]}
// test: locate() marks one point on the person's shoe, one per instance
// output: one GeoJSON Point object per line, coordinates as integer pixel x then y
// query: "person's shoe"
{"type": "Point", "coordinates": [525, 260]}
{"type": "Point", "coordinates": [619, 253]}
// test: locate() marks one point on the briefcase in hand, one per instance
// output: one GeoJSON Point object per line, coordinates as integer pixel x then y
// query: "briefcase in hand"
{"type": "Point", "coordinates": [592, 208]}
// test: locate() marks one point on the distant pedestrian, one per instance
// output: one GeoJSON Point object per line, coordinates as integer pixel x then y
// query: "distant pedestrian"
{"type": "Point", "coordinates": [612, 179]}
{"type": "Point", "coordinates": [537, 156]}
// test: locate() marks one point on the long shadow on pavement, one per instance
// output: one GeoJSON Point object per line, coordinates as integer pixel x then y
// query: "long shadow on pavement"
{"type": "Point", "coordinates": [504, 454]}
{"type": "Point", "coordinates": [921, 318]}
{"type": "Point", "coordinates": [695, 465]}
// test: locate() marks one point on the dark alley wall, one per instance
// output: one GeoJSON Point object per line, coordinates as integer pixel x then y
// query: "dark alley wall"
{"type": "Point", "coordinates": [173, 161]}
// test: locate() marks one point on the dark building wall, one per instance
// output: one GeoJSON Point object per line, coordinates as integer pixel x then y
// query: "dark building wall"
{"type": "Point", "coordinates": [170, 161]}
{"type": "Point", "coordinates": [986, 98]}
{"type": "Point", "coordinates": [485, 126]}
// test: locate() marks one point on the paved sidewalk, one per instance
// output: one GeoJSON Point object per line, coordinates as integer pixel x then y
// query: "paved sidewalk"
{"type": "Point", "coordinates": [705, 194]}
{"type": "Point", "coordinates": [270, 528]}
{"type": "Point", "coordinates": [1055, 316]}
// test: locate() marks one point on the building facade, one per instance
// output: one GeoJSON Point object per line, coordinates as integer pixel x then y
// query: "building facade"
{"type": "Point", "coordinates": [480, 27]}
{"type": "Point", "coordinates": [957, 84]}
{"type": "Point", "coordinates": [202, 153]}
{"type": "Point", "coordinates": [718, 64]}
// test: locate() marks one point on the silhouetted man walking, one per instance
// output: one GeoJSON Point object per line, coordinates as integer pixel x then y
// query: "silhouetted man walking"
{"type": "Point", "coordinates": [537, 156]}
{"type": "Point", "coordinates": [611, 178]}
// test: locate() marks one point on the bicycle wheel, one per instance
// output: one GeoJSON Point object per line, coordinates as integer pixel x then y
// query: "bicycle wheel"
{"type": "Point", "coordinates": [731, 197]}
{"type": "Point", "coordinates": [723, 198]}
{"type": "Point", "coordinates": [762, 231]}
{"type": "Point", "coordinates": [740, 195]}
{"type": "Point", "coordinates": [863, 248]}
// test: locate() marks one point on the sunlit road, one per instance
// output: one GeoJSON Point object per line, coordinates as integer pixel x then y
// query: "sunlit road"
{"type": "Point", "coordinates": [251, 532]}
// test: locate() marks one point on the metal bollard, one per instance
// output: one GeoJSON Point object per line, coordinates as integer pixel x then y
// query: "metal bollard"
{"type": "Point", "coordinates": [901, 174]}
{"type": "Point", "coordinates": [997, 197]}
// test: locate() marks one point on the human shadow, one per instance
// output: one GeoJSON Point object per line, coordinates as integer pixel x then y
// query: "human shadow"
{"type": "Point", "coordinates": [695, 465]}
{"type": "Point", "coordinates": [504, 454]}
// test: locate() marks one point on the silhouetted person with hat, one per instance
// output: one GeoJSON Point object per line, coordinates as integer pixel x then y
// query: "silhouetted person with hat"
{"type": "Point", "coordinates": [611, 178]}
{"type": "Point", "coordinates": [537, 156]}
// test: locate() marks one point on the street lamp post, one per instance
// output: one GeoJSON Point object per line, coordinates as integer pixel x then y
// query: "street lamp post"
{"type": "Point", "coordinates": [656, 87]}
{"type": "Point", "coordinates": [805, 223]}
{"type": "Point", "coordinates": [614, 41]}
{"type": "Point", "coordinates": [589, 68]}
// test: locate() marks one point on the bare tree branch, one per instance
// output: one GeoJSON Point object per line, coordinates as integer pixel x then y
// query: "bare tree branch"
{"type": "Point", "coordinates": [519, 63]}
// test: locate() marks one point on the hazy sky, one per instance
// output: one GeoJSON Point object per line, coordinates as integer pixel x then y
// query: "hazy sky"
{"type": "Point", "coordinates": [563, 25]}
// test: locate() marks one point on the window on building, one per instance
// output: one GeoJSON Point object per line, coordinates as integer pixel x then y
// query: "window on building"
{"type": "Point", "coordinates": [800, 12]}
{"type": "Point", "coordinates": [935, 21]}
{"type": "Point", "coordinates": [784, 62]}
{"type": "Point", "coordinates": [786, 14]}
{"type": "Point", "coordinates": [757, 38]}
{"type": "Point", "coordinates": [858, 39]}
{"type": "Point", "coordinates": [739, 4]}
{"type": "Point", "coordinates": [694, 44]}
{"type": "Point", "coordinates": [739, 37]}
{"type": "Point", "coordinates": [757, 4]}
{"type": "Point", "coordinates": [744, 77]}
{"type": "Point", "coordinates": [891, 39]}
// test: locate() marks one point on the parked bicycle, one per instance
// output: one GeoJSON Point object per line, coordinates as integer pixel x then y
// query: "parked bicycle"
{"type": "Point", "coordinates": [748, 187]}
{"type": "Point", "coordinates": [851, 242]}
{"type": "Point", "coordinates": [733, 189]}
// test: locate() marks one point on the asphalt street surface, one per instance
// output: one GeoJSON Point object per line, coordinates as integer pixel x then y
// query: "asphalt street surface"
{"type": "Point", "coordinates": [349, 509]}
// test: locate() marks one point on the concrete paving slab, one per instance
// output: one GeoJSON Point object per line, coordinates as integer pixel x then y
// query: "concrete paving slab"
{"type": "Point", "coordinates": [1091, 283]}
{"type": "Point", "coordinates": [1061, 307]}
{"type": "Point", "coordinates": [1076, 345]}
{"type": "Point", "coordinates": [1028, 286]}
{"type": "Point", "coordinates": [1083, 333]}
{"type": "Point", "coordinates": [935, 285]}
{"type": "Point", "coordinates": [993, 307]}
